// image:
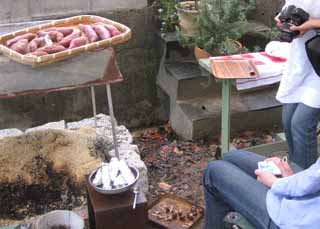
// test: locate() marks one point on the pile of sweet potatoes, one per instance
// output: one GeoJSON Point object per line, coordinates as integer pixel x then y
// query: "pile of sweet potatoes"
{"type": "Point", "coordinates": [57, 39]}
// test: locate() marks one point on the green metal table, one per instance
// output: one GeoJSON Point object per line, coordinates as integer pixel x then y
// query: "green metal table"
{"type": "Point", "coordinates": [225, 106]}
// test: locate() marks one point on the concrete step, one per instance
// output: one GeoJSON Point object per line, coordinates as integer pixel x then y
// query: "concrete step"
{"type": "Point", "coordinates": [185, 80]}
{"type": "Point", "coordinates": [200, 117]}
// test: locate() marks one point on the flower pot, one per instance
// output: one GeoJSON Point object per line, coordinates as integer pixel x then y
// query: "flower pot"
{"type": "Point", "coordinates": [188, 19]}
{"type": "Point", "coordinates": [200, 53]}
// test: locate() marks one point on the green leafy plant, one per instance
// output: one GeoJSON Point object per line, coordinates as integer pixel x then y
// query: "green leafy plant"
{"type": "Point", "coordinates": [221, 23]}
{"type": "Point", "coordinates": [274, 33]}
{"type": "Point", "coordinates": [167, 15]}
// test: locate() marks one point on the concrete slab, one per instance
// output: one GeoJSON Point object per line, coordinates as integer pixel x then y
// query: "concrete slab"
{"type": "Point", "coordinates": [194, 119]}
{"type": "Point", "coordinates": [79, 70]}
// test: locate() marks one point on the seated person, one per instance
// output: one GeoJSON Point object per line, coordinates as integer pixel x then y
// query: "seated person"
{"type": "Point", "coordinates": [266, 201]}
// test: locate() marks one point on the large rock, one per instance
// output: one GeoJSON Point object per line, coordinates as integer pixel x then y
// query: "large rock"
{"type": "Point", "coordinates": [29, 157]}
{"type": "Point", "coordinates": [10, 133]}
{"type": "Point", "coordinates": [77, 150]}
{"type": "Point", "coordinates": [104, 129]}
{"type": "Point", "coordinates": [49, 126]}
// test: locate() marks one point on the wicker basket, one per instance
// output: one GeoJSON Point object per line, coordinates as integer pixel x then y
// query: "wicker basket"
{"type": "Point", "coordinates": [52, 58]}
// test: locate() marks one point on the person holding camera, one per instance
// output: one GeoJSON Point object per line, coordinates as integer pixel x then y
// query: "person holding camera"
{"type": "Point", "coordinates": [299, 89]}
{"type": "Point", "coordinates": [266, 200]}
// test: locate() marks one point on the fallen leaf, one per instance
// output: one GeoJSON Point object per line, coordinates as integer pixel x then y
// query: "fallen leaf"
{"type": "Point", "coordinates": [155, 136]}
{"type": "Point", "coordinates": [164, 186]}
{"type": "Point", "coordinates": [177, 151]}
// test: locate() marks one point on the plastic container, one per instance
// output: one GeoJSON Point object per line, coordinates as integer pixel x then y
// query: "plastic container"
{"type": "Point", "coordinates": [60, 219]}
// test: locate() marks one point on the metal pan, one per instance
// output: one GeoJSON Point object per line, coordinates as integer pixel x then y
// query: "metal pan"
{"type": "Point", "coordinates": [135, 172]}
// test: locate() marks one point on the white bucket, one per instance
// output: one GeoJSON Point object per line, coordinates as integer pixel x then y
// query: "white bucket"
{"type": "Point", "coordinates": [60, 218]}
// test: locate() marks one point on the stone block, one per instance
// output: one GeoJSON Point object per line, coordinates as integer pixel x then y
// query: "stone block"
{"type": "Point", "coordinates": [10, 133]}
{"type": "Point", "coordinates": [104, 129]}
{"type": "Point", "coordinates": [49, 126]}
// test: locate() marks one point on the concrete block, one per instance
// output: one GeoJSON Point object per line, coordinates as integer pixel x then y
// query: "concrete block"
{"type": "Point", "coordinates": [117, 5]}
{"type": "Point", "coordinates": [47, 8]}
{"type": "Point", "coordinates": [197, 118]}
{"type": "Point", "coordinates": [184, 80]}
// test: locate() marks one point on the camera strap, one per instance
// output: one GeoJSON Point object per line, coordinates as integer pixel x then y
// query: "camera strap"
{"type": "Point", "coordinates": [313, 52]}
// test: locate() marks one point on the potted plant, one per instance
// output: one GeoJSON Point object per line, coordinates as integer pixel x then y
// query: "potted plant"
{"type": "Point", "coordinates": [222, 23]}
{"type": "Point", "coordinates": [167, 15]}
{"type": "Point", "coordinates": [188, 13]}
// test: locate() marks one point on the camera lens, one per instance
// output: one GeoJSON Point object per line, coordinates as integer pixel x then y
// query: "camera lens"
{"type": "Point", "coordinates": [286, 37]}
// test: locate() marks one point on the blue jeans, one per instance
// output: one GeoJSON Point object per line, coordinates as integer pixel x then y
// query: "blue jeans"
{"type": "Point", "coordinates": [230, 185]}
{"type": "Point", "coordinates": [300, 127]}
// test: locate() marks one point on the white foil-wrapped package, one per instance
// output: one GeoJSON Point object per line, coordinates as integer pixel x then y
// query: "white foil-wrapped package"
{"type": "Point", "coordinates": [106, 181]}
{"type": "Point", "coordinates": [126, 172]}
{"type": "Point", "coordinates": [114, 168]}
{"type": "Point", "coordinates": [120, 182]}
{"type": "Point", "coordinates": [97, 178]}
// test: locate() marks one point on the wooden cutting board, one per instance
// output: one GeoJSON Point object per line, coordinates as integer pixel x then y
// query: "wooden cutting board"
{"type": "Point", "coordinates": [233, 69]}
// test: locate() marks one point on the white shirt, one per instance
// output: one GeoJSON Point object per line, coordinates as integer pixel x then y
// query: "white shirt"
{"type": "Point", "coordinates": [300, 83]}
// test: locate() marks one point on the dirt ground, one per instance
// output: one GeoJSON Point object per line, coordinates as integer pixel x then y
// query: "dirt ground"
{"type": "Point", "coordinates": [176, 166]}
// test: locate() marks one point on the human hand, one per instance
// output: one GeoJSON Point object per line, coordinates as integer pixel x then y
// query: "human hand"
{"type": "Point", "coordinates": [305, 27]}
{"type": "Point", "coordinates": [282, 165]}
{"type": "Point", "coordinates": [278, 22]}
{"type": "Point", "coordinates": [265, 178]}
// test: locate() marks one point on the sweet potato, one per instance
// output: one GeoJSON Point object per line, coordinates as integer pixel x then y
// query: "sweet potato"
{"type": "Point", "coordinates": [66, 40]}
{"type": "Point", "coordinates": [102, 32]}
{"type": "Point", "coordinates": [90, 33]}
{"type": "Point", "coordinates": [21, 46]}
{"type": "Point", "coordinates": [35, 44]}
{"type": "Point", "coordinates": [112, 29]}
{"type": "Point", "coordinates": [77, 42]}
{"type": "Point", "coordinates": [64, 30]}
{"type": "Point", "coordinates": [39, 53]}
{"type": "Point", "coordinates": [54, 35]}
{"type": "Point", "coordinates": [27, 36]}
{"type": "Point", "coordinates": [52, 49]}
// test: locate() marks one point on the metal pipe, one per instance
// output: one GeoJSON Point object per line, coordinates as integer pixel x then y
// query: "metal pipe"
{"type": "Point", "coordinates": [94, 107]}
{"type": "Point", "coordinates": [113, 123]}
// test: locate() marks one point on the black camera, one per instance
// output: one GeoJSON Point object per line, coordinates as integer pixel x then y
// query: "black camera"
{"type": "Point", "coordinates": [291, 15]}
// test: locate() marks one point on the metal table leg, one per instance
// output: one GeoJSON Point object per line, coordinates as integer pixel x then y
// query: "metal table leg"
{"type": "Point", "coordinates": [225, 115]}
{"type": "Point", "coordinates": [113, 121]}
{"type": "Point", "coordinates": [94, 107]}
